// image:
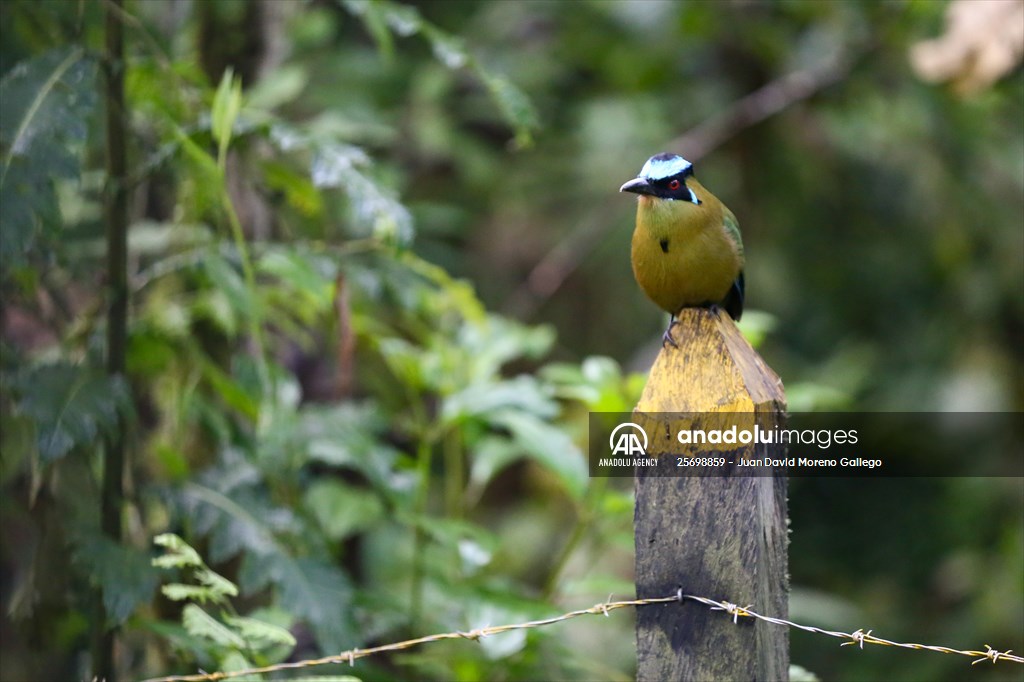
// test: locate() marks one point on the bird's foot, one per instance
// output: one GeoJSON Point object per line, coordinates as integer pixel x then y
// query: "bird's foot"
{"type": "Point", "coordinates": [666, 338]}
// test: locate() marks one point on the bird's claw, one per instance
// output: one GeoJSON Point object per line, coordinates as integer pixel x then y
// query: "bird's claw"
{"type": "Point", "coordinates": [666, 338]}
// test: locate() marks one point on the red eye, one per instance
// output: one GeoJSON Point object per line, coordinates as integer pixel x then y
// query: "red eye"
{"type": "Point", "coordinates": [674, 185]}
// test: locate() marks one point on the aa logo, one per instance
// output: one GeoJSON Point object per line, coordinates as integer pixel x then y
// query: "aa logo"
{"type": "Point", "coordinates": [628, 439]}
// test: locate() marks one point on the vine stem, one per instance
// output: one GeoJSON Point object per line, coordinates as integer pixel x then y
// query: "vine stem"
{"type": "Point", "coordinates": [267, 384]}
{"type": "Point", "coordinates": [419, 535]}
{"type": "Point", "coordinates": [585, 517]}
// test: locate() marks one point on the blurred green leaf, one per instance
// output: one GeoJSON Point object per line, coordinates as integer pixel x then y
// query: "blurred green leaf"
{"type": "Point", "coordinates": [597, 382]}
{"type": "Point", "coordinates": [381, 18]}
{"type": "Point", "coordinates": [548, 445]}
{"type": "Point", "coordinates": [319, 594]}
{"type": "Point", "coordinates": [523, 393]}
{"type": "Point", "coordinates": [514, 105]}
{"type": "Point", "coordinates": [800, 674]}
{"type": "Point", "coordinates": [124, 574]}
{"type": "Point", "coordinates": [274, 651]}
{"type": "Point", "coordinates": [299, 191]}
{"type": "Point", "coordinates": [496, 341]}
{"type": "Point", "coordinates": [45, 106]}
{"type": "Point", "coordinates": [276, 88]}
{"type": "Point", "coordinates": [183, 592]}
{"type": "Point", "coordinates": [756, 326]}
{"type": "Point", "coordinates": [206, 181]}
{"type": "Point", "coordinates": [259, 634]}
{"type": "Point", "coordinates": [227, 102]}
{"type": "Point", "coordinates": [374, 209]}
{"type": "Point", "coordinates": [227, 278]}
{"type": "Point", "coordinates": [71, 406]}
{"type": "Point", "coordinates": [489, 457]}
{"type": "Point", "coordinates": [155, 239]}
{"type": "Point", "coordinates": [234, 661]}
{"type": "Point", "coordinates": [237, 520]}
{"type": "Point", "coordinates": [179, 553]}
{"type": "Point", "coordinates": [350, 436]}
{"type": "Point", "coordinates": [448, 49]}
{"type": "Point", "coordinates": [342, 509]}
{"type": "Point", "coordinates": [307, 292]}
{"type": "Point", "coordinates": [215, 305]}
{"type": "Point", "coordinates": [201, 624]}
{"type": "Point", "coordinates": [216, 583]}
{"type": "Point", "coordinates": [212, 586]}
{"type": "Point", "coordinates": [231, 391]}
{"type": "Point", "coordinates": [406, 362]}
{"type": "Point", "coordinates": [372, 15]}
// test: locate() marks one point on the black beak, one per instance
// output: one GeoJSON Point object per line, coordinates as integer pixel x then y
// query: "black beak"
{"type": "Point", "coordinates": [638, 186]}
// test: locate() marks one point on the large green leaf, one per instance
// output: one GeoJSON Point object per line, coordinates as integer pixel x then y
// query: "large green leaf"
{"type": "Point", "coordinates": [260, 634]}
{"type": "Point", "coordinates": [350, 436]}
{"type": "Point", "coordinates": [491, 455]}
{"type": "Point", "coordinates": [236, 520]}
{"type": "Point", "coordinates": [343, 509]}
{"type": "Point", "coordinates": [523, 393]}
{"type": "Point", "coordinates": [45, 104]}
{"type": "Point", "coordinates": [201, 624]}
{"type": "Point", "coordinates": [70, 405]}
{"type": "Point", "coordinates": [597, 382]}
{"type": "Point", "coordinates": [124, 574]}
{"type": "Point", "coordinates": [548, 445]}
{"type": "Point", "coordinates": [314, 591]}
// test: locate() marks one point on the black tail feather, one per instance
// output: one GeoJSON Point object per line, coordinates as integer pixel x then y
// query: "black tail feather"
{"type": "Point", "coordinates": [733, 302]}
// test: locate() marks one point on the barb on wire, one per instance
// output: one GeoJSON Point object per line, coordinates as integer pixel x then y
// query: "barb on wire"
{"type": "Point", "coordinates": [858, 637]}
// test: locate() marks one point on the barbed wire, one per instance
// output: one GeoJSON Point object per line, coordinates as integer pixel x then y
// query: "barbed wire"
{"type": "Point", "coordinates": [858, 638]}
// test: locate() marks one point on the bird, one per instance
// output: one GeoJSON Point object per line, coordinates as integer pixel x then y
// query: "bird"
{"type": "Point", "coordinates": [686, 250]}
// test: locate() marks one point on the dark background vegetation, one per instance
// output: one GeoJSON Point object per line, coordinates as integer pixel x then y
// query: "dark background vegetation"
{"type": "Point", "coordinates": [378, 273]}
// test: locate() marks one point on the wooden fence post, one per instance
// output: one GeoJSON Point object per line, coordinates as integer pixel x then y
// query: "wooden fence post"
{"type": "Point", "coordinates": [719, 537]}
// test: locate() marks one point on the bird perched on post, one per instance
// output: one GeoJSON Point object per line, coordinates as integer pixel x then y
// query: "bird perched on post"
{"type": "Point", "coordinates": [686, 249]}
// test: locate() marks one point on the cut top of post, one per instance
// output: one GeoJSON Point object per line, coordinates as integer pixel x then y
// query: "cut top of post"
{"type": "Point", "coordinates": [712, 369]}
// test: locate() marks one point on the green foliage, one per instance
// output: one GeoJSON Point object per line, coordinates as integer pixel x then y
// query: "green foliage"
{"type": "Point", "coordinates": [338, 165]}
{"type": "Point", "coordinates": [227, 103]}
{"type": "Point", "coordinates": [234, 641]}
{"type": "Point", "coordinates": [212, 587]}
{"type": "Point", "coordinates": [45, 105]}
{"type": "Point", "coordinates": [384, 19]}
{"type": "Point", "coordinates": [69, 406]}
{"type": "Point", "coordinates": [343, 510]}
{"type": "Point", "coordinates": [124, 574]}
